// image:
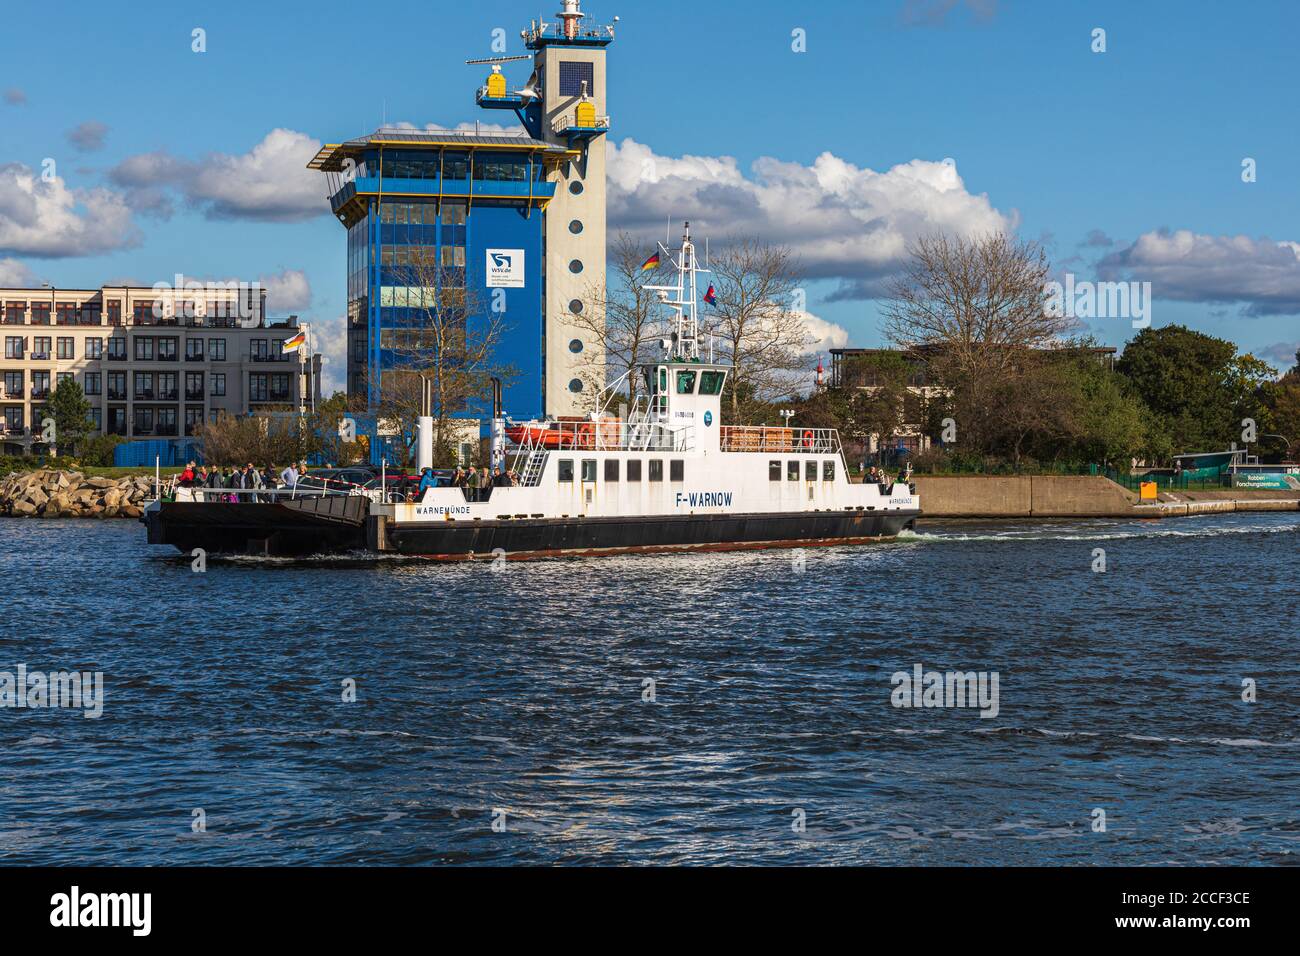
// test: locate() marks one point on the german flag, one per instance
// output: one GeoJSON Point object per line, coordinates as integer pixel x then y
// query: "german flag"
{"type": "Point", "coordinates": [651, 263]}
{"type": "Point", "coordinates": [295, 341]}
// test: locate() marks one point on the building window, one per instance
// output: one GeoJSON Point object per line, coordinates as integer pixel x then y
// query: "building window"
{"type": "Point", "coordinates": [217, 350]}
{"type": "Point", "coordinates": [14, 419]}
{"type": "Point", "coordinates": [142, 313]}
{"type": "Point", "coordinates": [143, 348]}
{"type": "Point", "coordinates": [97, 418]}
{"type": "Point", "coordinates": [117, 349]}
{"type": "Point", "coordinates": [14, 312]}
{"type": "Point", "coordinates": [257, 350]}
{"type": "Point", "coordinates": [218, 383]}
{"type": "Point", "coordinates": [828, 470]}
{"type": "Point", "coordinates": [114, 312]}
{"type": "Point", "coordinates": [576, 78]}
{"type": "Point", "coordinates": [117, 386]}
{"type": "Point", "coordinates": [575, 266]}
{"type": "Point", "coordinates": [144, 421]}
{"type": "Point", "coordinates": [575, 188]}
{"type": "Point", "coordinates": [566, 469]}
{"type": "Point", "coordinates": [611, 469]}
{"type": "Point", "coordinates": [575, 385]}
{"type": "Point", "coordinates": [65, 313]}
{"type": "Point", "coordinates": [40, 313]}
{"type": "Point", "coordinates": [167, 350]}
{"type": "Point", "coordinates": [94, 348]}
{"type": "Point", "coordinates": [792, 470]}
{"type": "Point", "coordinates": [143, 385]}
{"type": "Point", "coordinates": [575, 226]}
{"type": "Point", "coordinates": [14, 346]}
{"type": "Point", "coordinates": [194, 386]}
{"type": "Point", "coordinates": [634, 469]}
{"type": "Point", "coordinates": [13, 384]}
{"type": "Point", "coordinates": [41, 347]}
{"type": "Point", "coordinates": [194, 350]}
{"type": "Point", "coordinates": [93, 383]}
{"type": "Point", "coordinates": [656, 469]}
{"type": "Point", "coordinates": [677, 470]}
{"type": "Point", "coordinates": [40, 386]}
{"type": "Point", "coordinates": [67, 347]}
{"type": "Point", "coordinates": [575, 346]}
{"type": "Point", "coordinates": [61, 377]}
{"type": "Point", "coordinates": [774, 471]}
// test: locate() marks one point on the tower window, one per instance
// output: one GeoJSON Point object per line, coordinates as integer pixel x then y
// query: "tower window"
{"type": "Point", "coordinates": [575, 306]}
{"type": "Point", "coordinates": [575, 385]}
{"type": "Point", "coordinates": [575, 226]}
{"type": "Point", "coordinates": [575, 346]}
{"type": "Point", "coordinates": [575, 187]}
{"type": "Point", "coordinates": [575, 266]}
{"type": "Point", "coordinates": [573, 74]}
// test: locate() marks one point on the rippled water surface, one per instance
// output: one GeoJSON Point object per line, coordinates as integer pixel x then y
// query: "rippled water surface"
{"type": "Point", "coordinates": [524, 690]}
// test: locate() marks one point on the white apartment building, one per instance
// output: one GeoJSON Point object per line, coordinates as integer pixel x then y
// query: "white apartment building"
{"type": "Point", "coordinates": [153, 364]}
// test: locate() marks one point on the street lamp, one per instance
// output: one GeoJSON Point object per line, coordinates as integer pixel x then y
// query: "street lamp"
{"type": "Point", "coordinates": [787, 414]}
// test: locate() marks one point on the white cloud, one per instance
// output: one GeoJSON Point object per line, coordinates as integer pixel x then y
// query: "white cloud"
{"type": "Point", "coordinates": [41, 217]}
{"type": "Point", "coordinates": [1261, 274]}
{"type": "Point", "coordinates": [270, 182]}
{"type": "Point", "coordinates": [286, 291]}
{"type": "Point", "coordinates": [329, 338]}
{"type": "Point", "coordinates": [16, 275]}
{"type": "Point", "coordinates": [824, 335]}
{"type": "Point", "coordinates": [842, 222]}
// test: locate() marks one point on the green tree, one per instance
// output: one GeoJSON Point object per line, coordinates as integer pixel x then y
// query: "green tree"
{"type": "Point", "coordinates": [71, 413]}
{"type": "Point", "coordinates": [1111, 423]}
{"type": "Point", "coordinates": [1196, 385]}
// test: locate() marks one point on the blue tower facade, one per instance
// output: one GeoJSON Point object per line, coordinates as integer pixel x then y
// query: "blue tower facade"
{"type": "Point", "coordinates": [442, 217]}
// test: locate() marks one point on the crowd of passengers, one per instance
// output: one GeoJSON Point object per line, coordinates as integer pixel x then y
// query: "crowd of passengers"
{"type": "Point", "coordinates": [225, 484]}
{"type": "Point", "coordinates": [477, 482]}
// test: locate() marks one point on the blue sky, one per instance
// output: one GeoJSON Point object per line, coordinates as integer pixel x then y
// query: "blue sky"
{"type": "Point", "coordinates": [1127, 160]}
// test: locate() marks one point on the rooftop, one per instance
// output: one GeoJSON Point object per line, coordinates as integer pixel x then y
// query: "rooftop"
{"type": "Point", "coordinates": [330, 156]}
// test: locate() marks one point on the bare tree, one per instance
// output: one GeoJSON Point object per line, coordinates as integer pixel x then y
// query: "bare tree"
{"type": "Point", "coordinates": [755, 326]}
{"type": "Point", "coordinates": [620, 320]}
{"type": "Point", "coordinates": [974, 308]}
{"type": "Point", "coordinates": [451, 344]}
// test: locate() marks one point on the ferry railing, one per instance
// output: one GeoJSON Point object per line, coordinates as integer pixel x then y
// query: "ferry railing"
{"type": "Point", "coordinates": [764, 438]}
{"type": "Point", "coordinates": [606, 434]}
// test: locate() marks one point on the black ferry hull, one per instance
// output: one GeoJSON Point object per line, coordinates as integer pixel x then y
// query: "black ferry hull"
{"type": "Point", "coordinates": [336, 525]}
{"type": "Point", "coordinates": [287, 527]}
{"type": "Point", "coordinates": [524, 538]}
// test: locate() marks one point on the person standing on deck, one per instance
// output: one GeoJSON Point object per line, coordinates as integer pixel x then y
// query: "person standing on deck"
{"type": "Point", "coordinates": [289, 477]}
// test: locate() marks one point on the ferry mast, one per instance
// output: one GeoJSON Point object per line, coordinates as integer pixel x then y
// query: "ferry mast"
{"type": "Point", "coordinates": [683, 299]}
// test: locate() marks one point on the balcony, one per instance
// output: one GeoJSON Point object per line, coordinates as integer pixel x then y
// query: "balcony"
{"type": "Point", "coordinates": [16, 429]}
{"type": "Point", "coordinates": [166, 431]}
{"type": "Point", "coordinates": [171, 395]}
{"type": "Point", "coordinates": [116, 430]}
{"type": "Point", "coordinates": [40, 394]}
{"type": "Point", "coordinates": [116, 395]}
{"type": "Point", "coordinates": [194, 358]}
{"type": "Point", "coordinates": [194, 395]}
{"type": "Point", "coordinates": [116, 356]}
{"type": "Point", "coordinates": [11, 395]}
{"type": "Point", "coordinates": [40, 356]}
{"type": "Point", "coordinates": [167, 358]}
{"type": "Point", "coordinates": [144, 394]}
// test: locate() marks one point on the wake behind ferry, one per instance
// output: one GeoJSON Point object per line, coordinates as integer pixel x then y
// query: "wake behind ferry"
{"type": "Point", "coordinates": [662, 475]}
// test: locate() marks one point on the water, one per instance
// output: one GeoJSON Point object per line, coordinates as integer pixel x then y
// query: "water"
{"type": "Point", "coordinates": [523, 691]}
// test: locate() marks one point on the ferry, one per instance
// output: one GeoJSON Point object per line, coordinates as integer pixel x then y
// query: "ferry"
{"type": "Point", "coordinates": [661, 474]}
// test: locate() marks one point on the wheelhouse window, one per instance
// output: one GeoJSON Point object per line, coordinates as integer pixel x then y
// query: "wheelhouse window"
{"type": "Point", "coordinates": [656, 469]}
{"type": "Point", "coordinates": [711, 382]}
{"type": "Point", "coordinates": [810, 471]}
{"type": "Point", "coordinates": [634, 469]}
{"type": "Point", "coordinates": [588, 469]}
{"type": "Point", "coordinates": [565, 472]}
{"type": "Point", "coordinates": [677, 470]}
{"type": "Point", "coordinates": [611, 469]}
{"type": "Point", "coordinates": [686, 383]}
{"type": "Point", "coordinates": [792, 470]}
{"type": "Point", "coordinates": [828, 470]}
{"type": "Point", "coordinates": [774, 471]}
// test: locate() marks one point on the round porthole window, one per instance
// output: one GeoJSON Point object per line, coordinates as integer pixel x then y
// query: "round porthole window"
{"type": "Point", "coordinates": [575, 265]}
{"type": "Point", "coordinates": [575, 187]}
{"type": "Point", "coordinates": [575, 346]}
{"type": "Point", "coordinates": [575, 226]}
{"type": "Point", "coordinates": [575, 306]}
{"type": "Point", "coordinates": [575, 385]}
